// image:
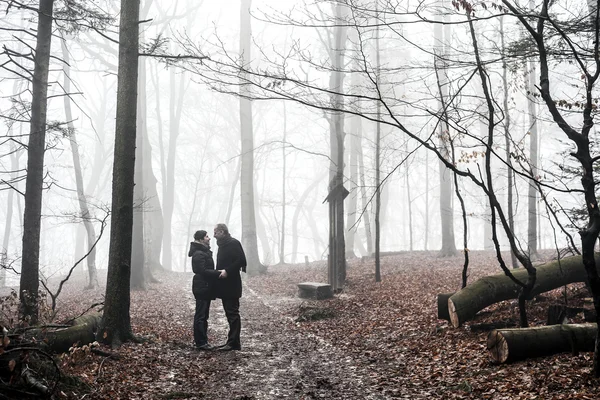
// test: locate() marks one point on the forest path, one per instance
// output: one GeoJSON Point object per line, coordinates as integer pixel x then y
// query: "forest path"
{"type": "Point", "coordinates": [277, 361]}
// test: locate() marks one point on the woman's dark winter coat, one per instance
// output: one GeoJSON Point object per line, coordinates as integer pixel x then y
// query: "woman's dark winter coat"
{"type": "Point", "coordinates": [231, 258]}
{"type": "Point", "coordinates": [205, 275]}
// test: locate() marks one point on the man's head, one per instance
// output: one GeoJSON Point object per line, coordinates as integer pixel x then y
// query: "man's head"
{"type": "Point", "coordinates": [201, 236]}
{"type": "Point", "coordinates": [221, 231]}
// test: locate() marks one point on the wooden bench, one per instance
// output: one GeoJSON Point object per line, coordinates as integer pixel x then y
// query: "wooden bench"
{"type": "Point", "coordinates": [314, 290]}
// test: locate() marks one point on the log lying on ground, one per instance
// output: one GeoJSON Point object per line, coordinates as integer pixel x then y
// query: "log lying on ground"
{"type": "Point", "coordinates": [442, 302]}
{"type": "Point", "coordinates": [508, 345]}
{"type": "Point", "coordinates": [464, 304]}
{"type": "Point", "coordinates": [82, 332]}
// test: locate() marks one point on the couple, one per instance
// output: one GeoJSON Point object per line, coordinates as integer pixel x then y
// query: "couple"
{"type": "Point", "coordinates": [223, 282]}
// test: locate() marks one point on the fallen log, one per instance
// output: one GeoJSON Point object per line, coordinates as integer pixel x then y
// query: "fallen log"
{"type": "Point", "coordinates": [442, 302]}
{"type": "Point", "coordinates": [467, 302]}
{"type": "Point", "coordinates": [508, 345]}
{"type": "Point", "coordinates": [82, 332]}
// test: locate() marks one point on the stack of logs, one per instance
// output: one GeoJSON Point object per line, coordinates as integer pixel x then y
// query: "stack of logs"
{"type": "Point", "coordinates": [513, 344]}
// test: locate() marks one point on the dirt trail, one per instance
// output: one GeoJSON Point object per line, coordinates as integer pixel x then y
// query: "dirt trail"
{"type": "Point", "coordinates": [276, 360]}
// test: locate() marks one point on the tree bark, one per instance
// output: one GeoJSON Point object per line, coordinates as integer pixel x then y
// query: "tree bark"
{"type": "Point", "coordinates": [378, 183]}
{"type": "Point", "coordinates": [442, 39]}
{"type": "Point", "coordinates": [442, 303]}
{"type": "Point", "coordinates": [464, 304]}
{"type": "Point", "coordinates": [364, 200]}
{"type": "Point", "coordinates": [508, 345]}
{"type": "Point", "coordinates": [9, 217]}
{"type": "Point", "coordinates": [116, 322]}
{"type": "Point", "coordinates": [30, 259]}
{"type": "Point", "coordinates": [81, 332]}
{"type": "Point", "coordinates": [533, 157]}
{"type": "Point", "coordinates": [507, 143]}
{"type": "Point", "coordinates": [249, 238]}
{"type": "Point", "coordinates": [138, 277]}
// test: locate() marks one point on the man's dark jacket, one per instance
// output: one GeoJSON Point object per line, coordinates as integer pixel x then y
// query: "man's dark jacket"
{"type": "Point", "coordinates": [231, 258]}
{"type": "Point", "coordinates": [205, 275]}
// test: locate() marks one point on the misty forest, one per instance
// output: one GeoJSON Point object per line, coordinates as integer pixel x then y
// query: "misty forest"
{"type": "Point", "coordinates": [413, 184]}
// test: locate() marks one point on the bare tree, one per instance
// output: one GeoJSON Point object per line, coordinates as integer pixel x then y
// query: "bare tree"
{"type": "Point", "coordinates": [249, 238]}
{"type": "Point", "coordinates": [116, 321]}
{"type": "Point", "coordinates": [29, 284]}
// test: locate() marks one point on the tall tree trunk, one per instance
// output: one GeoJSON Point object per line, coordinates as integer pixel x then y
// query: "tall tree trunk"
{"type": "Point", "coordinates": [9, 216]}
{"type": "Point", "coordinates": [153, 216]}
{"type": "Point", "coordinates": [377, 159]}
{"type": "Point", "coordinates": [175, 108]}
{"type": "Point", "coordinates": [85, 213]}
{"type": "Point", "coordinates": [364, 198]}
{"type": "Point", "coordinates": [337, 243]}
{"type": "Point", "coordinates": [488, 244]}
{"type": "Point", "coordinates": [29, 285]}
{"type": "Point", "coordinates": [235, 178]}
{"type": "Point", "coordinates": [426, 247]}
{"type": "Point", "coordinates": [249, 238]}
{"type": "Point", "coordinates": [354, 193]}
{"type": "Point", "coordinates": [507, 144]}
{"type": "Point", "coordinates": [410, 212]}
{"type": "Point", "coordinates": [533, 156]}
{"type": "Point", "coordinates": [283, 189]}
{"type": "Point", "coordinates": [354, 143]}
{"type": "Point", "coordinates": [154, 224]}
{"type": "Point", "coordinates": [116, 321]}
{"type": "Point", "coordinates": [138, 277]}
{"type": "Point", "coordinates": [442, 37]}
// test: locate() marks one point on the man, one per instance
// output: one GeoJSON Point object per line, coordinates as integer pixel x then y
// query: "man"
{"type": "Point", "coordinates": [230, 261]}
{"type": "Point", "coordinates": [203, 284]}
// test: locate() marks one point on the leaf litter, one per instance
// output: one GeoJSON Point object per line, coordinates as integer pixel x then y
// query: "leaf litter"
{"type": "Point", "coordinates": [371, 341]}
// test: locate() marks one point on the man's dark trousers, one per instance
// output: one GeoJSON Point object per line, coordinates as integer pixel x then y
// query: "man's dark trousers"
{"type": "Point", "coordinates": [232, 311]}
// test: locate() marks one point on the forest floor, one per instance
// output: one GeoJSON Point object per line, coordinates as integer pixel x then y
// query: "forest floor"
{"type": "Point", "coordinates": [373, 341]}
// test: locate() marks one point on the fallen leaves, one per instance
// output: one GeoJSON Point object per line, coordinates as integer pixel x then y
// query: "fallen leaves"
{"type": "Point", "coordinates": [381, 340]}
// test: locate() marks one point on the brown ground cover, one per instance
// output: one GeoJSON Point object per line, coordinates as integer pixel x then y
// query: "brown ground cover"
{"type": "Point", "coordinates": [372, 341]}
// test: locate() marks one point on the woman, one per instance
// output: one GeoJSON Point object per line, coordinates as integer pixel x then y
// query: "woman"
{"type": "Point", "coordinates": [202, 286]}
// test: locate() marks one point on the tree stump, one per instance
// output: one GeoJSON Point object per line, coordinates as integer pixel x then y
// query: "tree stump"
{"type": "Point", "coordinates": [314, 290]}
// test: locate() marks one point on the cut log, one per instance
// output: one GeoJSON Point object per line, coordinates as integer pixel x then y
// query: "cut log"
{"type": "Point", "coordinates": [508, 345]}
{"type": "Point", "coordinates": [82, 332]}
{"type": "Point", "coordinates": [464, 304]}
{"type": "Point", "coordinates": [442, 302]}
{"type": "Point", "coordinates": [314, 290]}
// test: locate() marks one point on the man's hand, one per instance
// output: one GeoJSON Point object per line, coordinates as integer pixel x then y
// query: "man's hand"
{"type": "Point", "coordinates": [223, 274]}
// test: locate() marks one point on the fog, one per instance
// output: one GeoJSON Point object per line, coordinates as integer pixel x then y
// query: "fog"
{"type": "Point", "coordinates": [189, 118]}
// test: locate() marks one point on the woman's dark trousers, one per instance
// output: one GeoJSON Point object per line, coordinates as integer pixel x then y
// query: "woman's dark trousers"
{"type": "Point", "coordinates": [201, 322]}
